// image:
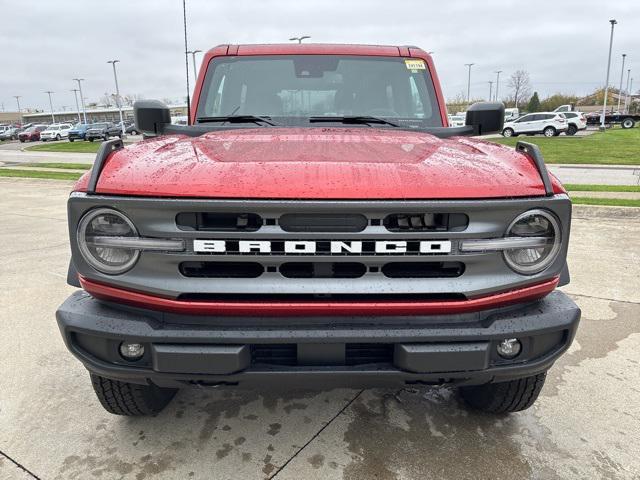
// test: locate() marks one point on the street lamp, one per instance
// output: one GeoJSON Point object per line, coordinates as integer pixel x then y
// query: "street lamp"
{"type": "Point", "coordinates": [299, 39]}
{"type": "Point", "coordinates": [606, 85]}
{"type": "Point", "coordinates": [75, 94]}
{"type": "Point", "coordinates": [490, 89]}
{"type": "Point", "coordinates": [51, 105]}
{"type": "Point", "coordinates": [624, 56]}
{"type": "Point", "coordinates": [469, 82]}
{"type": "Point", "coordinates": [115, 77]}
{"type": "Point", "coordinates": [84, 110]}
{"type": "Point", "coordinates": [497, 72]}
{"type": "Point", "coordinates": [193, 56]}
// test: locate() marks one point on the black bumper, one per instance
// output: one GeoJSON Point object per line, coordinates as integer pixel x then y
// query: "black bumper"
{"type": "Point", "coordinates": [318, 352]}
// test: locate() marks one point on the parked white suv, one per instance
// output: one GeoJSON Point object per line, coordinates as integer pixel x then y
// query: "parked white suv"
{"type": "Point", "coordinates": [56, 131]}
{"type": "Point", "coordinates": [550, 124]}
{"type": "Point", "coordinates": [576, 121]}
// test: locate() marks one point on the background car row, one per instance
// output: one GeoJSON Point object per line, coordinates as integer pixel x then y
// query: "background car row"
{"type": "Point", "coordinates": [61, 131]}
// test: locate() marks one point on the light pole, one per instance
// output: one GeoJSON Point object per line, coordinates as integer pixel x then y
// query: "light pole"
{"type": "Point", "coordinates": [75, 94]}
{"type": "Point", "coordinates": [17, 97]}
{"type": "Point", "coordinates": [84, 110]}
{"type": "Point", "coordinates": [299, 39]}
{"type": "Point", "coordinates": [606, 85]}
{"type": "Point", "coordinates": [490, 89]}
{"type": "Point", "coordinates": [624, 56]}
{"type": "Point", "coordinates": [115, 77]}
{"type": "Point", "coordinates": [498, 72]}
{"type": "Point", "coordinates": [469, 82]}
{"type": "Point", "coordinates": [51, 105]}
{"type": "Point", "coordinates": [195, 70]}
{"type": "Point", "coordinates": [626, 97]}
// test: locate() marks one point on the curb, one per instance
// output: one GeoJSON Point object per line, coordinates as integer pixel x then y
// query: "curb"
{"type": "Point", "coordinates": [604, 211]}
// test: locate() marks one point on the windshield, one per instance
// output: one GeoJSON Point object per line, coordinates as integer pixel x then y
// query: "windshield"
{"type": "Point", "coordinates": [296, 87]}
{"type": "Point", "coordinates": [99, 125]}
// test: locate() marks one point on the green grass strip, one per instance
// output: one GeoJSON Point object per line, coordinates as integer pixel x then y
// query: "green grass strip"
{"type": "Point", "coordinates": [572, 187]}
{"type": "Point", "coordinates": [6, 172]}
{"type": "Point", "coordinates": [69, 147]}
{"type": "Point", "coordinates": [613, 202]}
{"type": "Point", "coordinates": [63, 166]}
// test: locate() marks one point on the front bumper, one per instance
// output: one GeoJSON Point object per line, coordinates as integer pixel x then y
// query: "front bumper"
{"type": "Point", "coordinates": [317, 352]}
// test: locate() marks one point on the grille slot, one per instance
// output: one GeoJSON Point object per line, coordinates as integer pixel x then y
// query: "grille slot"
{"type": "Point", "coordinates": [364, 353]}
{"type": "Point", "coordinates": [426, 222]}
{"type": "Point", "coordinates": [335, 297]}
{"type": "Point", "coordinates": [221, 269]}
{"type": "Point", "coordinates": [272, 354]}
{"type": "Point", "coordinates": [323, 269]}
{"type": "Point", "coordinates": [219, 222]}
{"type": "Point", "coordinates": [423, 269]}
{"type": "Point", "coordinates": [322, 222]}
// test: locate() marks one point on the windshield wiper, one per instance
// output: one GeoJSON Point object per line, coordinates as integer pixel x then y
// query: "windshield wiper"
{"type": "Point", "coordinates": [354, 119]}
{"type": "Point", "coordinates": [238, 119]}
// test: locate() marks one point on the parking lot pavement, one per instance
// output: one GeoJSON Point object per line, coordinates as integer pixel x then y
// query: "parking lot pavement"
{"type": "Point", "coordinates": [586, 423]}
{"type": "Point", "coordinates": [597, 174]}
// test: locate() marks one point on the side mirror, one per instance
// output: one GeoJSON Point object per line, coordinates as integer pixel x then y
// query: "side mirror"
{"type": "Point", "coordinates": [151, 116]}
{"type": "Point", "coordinates": [485, 117]}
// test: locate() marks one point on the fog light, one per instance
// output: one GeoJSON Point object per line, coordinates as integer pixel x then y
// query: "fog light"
{"type": "Point", "coordinates": [509, 348]}
{"type": "Point", "coordinates": [131, 351]}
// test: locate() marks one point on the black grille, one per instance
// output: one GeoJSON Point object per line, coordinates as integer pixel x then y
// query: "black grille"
{"type": "Point", "coordinates": [426, 222]}
{"type": "Point", "coordinates": [218, 222]}
{"type": "Point", "coordinates": [322, 222]}
{"type": "Point", "coordinates": [364, 353]}
{"type": "Point", "coordinates": [270, 354]}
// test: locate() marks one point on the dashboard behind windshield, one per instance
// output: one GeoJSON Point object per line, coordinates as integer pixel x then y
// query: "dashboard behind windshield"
{"type": "Point", "coordinates": [296, 87]}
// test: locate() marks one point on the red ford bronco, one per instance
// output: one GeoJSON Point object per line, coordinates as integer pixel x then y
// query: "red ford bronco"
{"type": "Point", "coordinates": [317, 224]}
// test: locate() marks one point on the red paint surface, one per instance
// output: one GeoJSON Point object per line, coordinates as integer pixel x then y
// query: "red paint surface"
{"type": "Point", "coordinates": [319, 163]}
{"type": "Point", "coordinates": [266, 308]}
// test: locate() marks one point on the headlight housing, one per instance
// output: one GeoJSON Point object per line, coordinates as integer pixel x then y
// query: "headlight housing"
{"type": "Point", "coordinates": [539, 224]}
{"type": "Point", "coordinates": [100, 224]}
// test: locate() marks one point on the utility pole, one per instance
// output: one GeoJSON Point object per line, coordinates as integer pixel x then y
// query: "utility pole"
{"type": "Point", "coordinates": [490, 89]}
{"type": "Point", "coordinates": [626, 93]}
{"type": "Point", "coordinates": [299, 39]}
{"type": "Point", "coordinates": [624, 56]}
{"type": "Point", "coordinates": [118, 103]}
{"type": "Point", "coordinates": [75, 94]}
{"type": "Point", "coordinates": [606, 85]}
{"type": "Point", "coordinates": [84, 111]}
{"type": "Point", "coordinates": [469, 82]}
{"type": "Point", "coordinates": [498, 72]}
{"type": "Point", "coordinates": [51, 105]}
{"type": "Point", "coordinates": [17, 97]}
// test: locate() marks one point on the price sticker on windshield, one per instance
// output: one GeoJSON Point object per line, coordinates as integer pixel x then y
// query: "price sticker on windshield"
{"type": "Point", "coordinates": [415, 65]}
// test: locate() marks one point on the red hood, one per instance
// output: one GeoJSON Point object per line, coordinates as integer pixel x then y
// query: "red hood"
{"type": "Point", "coordinates": [319, 163]}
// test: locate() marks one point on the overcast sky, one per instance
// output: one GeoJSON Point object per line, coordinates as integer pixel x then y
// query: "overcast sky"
{"type": "Point", "coordinates": [563, 44]}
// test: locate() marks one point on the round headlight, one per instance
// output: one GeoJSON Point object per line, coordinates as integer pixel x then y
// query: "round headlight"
{"type": "Point", "coordinates": [93, 230]}
{"type": "Point", "coordinates": [538, 224]}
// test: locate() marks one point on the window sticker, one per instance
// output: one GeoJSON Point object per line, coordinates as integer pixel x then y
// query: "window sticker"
{"type": "Point", "coordinates": [415, 64]}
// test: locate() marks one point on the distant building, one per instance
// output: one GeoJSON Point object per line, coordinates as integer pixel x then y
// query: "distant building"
{"type": "Point", "coordinates": [9, 117]}
{"type": "Point", "coordinates": [106, 114]}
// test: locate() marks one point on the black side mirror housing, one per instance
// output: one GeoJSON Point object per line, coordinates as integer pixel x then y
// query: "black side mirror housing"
{"type": "Point", "coordinates": [485, 117]}
{"type": "Point", "coordinates": [151, 116]}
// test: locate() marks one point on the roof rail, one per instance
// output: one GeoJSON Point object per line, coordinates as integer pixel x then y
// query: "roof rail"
{"type": "Point", "coordinates": [534, 152]}
{"type": "Point", "coordinates": [106, 148]}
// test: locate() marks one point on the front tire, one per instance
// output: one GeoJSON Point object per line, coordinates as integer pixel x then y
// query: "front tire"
{"type": "Point", "coordinates": [130, 399]}
{"type": "Point", "coordinates": [549, 132]}
{"type": "Point", "coordinates": [508, 132]}
{"type": "Point", "coordinates": [71, 140]}
{"type": "Point", "coordinates": [58, 138]}
{"type": "Point", "coordinates": [572, 130]}
{"type": "Point", "coordinates": [504, 397]}
{"type": "Point", "coordinates": [91, 139]}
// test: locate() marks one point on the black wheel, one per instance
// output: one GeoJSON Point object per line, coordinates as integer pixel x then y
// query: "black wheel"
{"type": "Point", "coordinates": [91, 139]}
{"type": "Point", "coordinates": [71, 139]}
{"type": "Point", "coordinates": [628, 123]}
{"type": "Point", "coordinates": [549, 132]}
{"type": "Point", "coordinates": [106, 137]}
{"type": "Point", "coordinates": [504, 397]}
{"type": "Point", "coordinates": [22, 140]}
{"type": "Point", "coordinates": [508, 132]}
{"type": "Point", "coordinates": [130, 399]}
{"type": "Point", "coordinates": [572, 130]}
{"type": "Point", "coordinates": [134, 132]}
{"type": "Point", "coordinates": [58, 137]}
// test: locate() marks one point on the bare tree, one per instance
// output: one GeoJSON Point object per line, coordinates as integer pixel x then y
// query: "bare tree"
{"type": "Point", "coordinates": [520, 86]}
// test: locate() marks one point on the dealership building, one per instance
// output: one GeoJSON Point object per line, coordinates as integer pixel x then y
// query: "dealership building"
{"type": "Point", "coordinates": [106, 114]}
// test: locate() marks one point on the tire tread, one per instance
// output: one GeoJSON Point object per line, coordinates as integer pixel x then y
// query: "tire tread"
{"type": "Point", "coordinates": [504, 397]}
{"type": "Point", "coordinates": [129, 399]}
